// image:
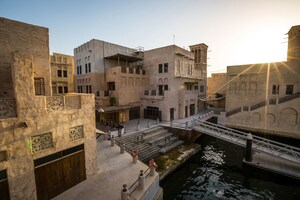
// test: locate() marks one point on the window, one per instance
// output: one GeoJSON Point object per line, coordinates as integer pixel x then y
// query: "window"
{"type": "Point", "coordinates": [196, 87]}
{"type": "Point", "coordinates": [166, 68]}
{"type": "Point", "coordinates": [201, 88]}
{"type": "Point", "coordinates": [59, 74]}
{"type": "Point", "coordinates": [160, 90]}
{"type": "Point", "coordinates": [89, 67]}
{"type": "Point", "coordinates": [65, 89]}
{"type": "Point", "coordinates": [39, 86]}
{"type": "Point", "coordinates": [123, 69]}
{"type": "Point", "coordinates": [86, 89]}
{"type": "Point", "coordinates": [65, 73]}
{"type": "Point", "coordinates": [166, 87]}
{"type": "Point", "coordinates": [90, 89]}
{"type": "Point", "coordinates": [275, 89]}
{"type": "Point", "coordinates": [60, 89]}
{"type": "Point", "coordinates": [86, 68]}
{"type": "Point", "coordinates": [111, 85]}
{"type": "Point", "coordinates": [289, 89]}
{"type": "Point", "coordinates": [97, 93]}
{"type": "Point", "coordinates": [80, 69]}
{"type": "Point", "coordinates": [80, 89]}
{"type": "Point", "coordinates": [160, 66]}
{"type": "Point", "coordinates": [77, 69]}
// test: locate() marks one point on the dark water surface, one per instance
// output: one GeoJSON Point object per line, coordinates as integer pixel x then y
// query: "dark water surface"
{"type": "Point", "coordinates": [216, 173]}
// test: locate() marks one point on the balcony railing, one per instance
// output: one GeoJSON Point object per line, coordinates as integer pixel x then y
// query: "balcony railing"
{"type": "Point", "coordinates": [289, 97]}
{"type": "Point", "coordinates": [58, 103]}
{"type": "Point", "coordinates": [7, 108]}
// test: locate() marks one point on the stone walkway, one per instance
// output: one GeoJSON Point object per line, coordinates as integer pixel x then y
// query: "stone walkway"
{"type": "Point", "coordinates": [114, 170]}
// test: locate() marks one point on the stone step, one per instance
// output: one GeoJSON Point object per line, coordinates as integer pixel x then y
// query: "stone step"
{"type": "Point", "coordinates": [149, 148]}
{"type": "Point", "coordinates": [149, 156]}
{"type": "Point", "coordinates": [152, 130]}
{"type": "Point", "coordinates": [170, 147]}
{"type": "Point", "coordinates": [160, 137]}
{"type": "Point", "coordinates": [172, 140]}
{"type": "Point", "coordinates": [153, 135]}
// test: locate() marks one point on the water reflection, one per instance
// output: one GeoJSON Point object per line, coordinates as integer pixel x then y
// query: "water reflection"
{"type": "Point", "coordinates": [216, 173]}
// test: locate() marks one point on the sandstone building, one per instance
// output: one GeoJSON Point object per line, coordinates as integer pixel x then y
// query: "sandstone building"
{"type": "Point", "coordinates": [176, 82]}
{"type": "Point", "coordinates": [216, 90]}
{"type": "Point", "coordinates": [114, 74]}
{"type": "Point", "coordinates": [130, 83]}
{"type": "Point", "coordinates": [62, 73]}
{"type": "Point", "coordinates": [47, 143]}
{"type": "Point", "coordinates": [265, 97]}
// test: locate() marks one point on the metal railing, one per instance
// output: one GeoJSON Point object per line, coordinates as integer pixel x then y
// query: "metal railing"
{"type": "Point", "coordinates": [260, 144]}
{"type": "Point", "coordinates": [135, 184]}
{"type": "Point", "coordinates": [237, 110]}
{"type": "Point", "coordinates": [258, 105]}
{"type": "Point", "coordinates": [264, 103]}
{"type": "Point", "coordinates": [289, 97]}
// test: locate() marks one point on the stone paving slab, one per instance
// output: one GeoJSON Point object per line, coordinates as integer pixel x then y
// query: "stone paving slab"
{"type": "Point", "coordinates": [114, 170]}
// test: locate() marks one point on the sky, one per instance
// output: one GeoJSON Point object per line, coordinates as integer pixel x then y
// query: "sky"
{"type": "Point", "coordinates": [236, 31]}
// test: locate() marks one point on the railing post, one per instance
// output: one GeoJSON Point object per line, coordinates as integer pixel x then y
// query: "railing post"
{"type": "Point", "coordinates": [124, 193]}
{"type": "Point", "coordinates": [141, 180]}
{"type": "Point", "coordinates": [112, 140]}
{"type": "Point", "coordinates": [152, 166]}
{"type": "Point", "coordinates": [249, 148]}
{"type": "Point", "coordinates": [122, 148]}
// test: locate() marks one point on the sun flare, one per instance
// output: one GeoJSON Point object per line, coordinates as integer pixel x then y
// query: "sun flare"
{"type": "Point", "coordinates": [261, 46]}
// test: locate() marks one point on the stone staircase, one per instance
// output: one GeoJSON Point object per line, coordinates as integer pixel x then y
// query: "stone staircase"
{"type": "Point", "coordinates": [150, 143]}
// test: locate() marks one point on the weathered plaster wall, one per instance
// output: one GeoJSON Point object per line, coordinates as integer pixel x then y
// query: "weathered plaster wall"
{"type": "Point", "coordinates": [31, 109]}
{"type": "Point", "coordinates": [180, 63]}
{"type": "Point", "coordinates": [253, 84]}
{"type": "Point", "coordinates": [23, 38]}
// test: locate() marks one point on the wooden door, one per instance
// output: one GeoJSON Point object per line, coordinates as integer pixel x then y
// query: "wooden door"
{"type": "Point", "coordinates": [59, 175]}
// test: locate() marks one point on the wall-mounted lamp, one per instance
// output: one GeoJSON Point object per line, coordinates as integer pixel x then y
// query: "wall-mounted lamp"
{"type": "Point", "coordinates": [24, 125]}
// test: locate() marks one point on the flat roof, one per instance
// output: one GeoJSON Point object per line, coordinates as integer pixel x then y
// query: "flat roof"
{"type": "Point", "coordinates": [123, 57]}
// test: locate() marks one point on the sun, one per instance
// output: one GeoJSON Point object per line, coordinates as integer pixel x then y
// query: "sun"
{"type": "Point", "coordinates": [261, 46]}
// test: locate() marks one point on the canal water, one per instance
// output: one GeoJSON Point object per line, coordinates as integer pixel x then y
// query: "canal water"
{"type": "Point", "coordinates": [216, 173]}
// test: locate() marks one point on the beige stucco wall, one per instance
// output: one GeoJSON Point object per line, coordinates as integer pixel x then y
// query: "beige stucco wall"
{"type": "Point", "coordinates": [31, 109]}
{"type": "Point", "coordinates": [252, 84]}
{"type": "Point", "coordinates": [65, 62]}
{"type": "Point", "coordinates": [216, 84]}
{"type": "Point", "coordinates": [180, 70]}
{"type": "Point", "coordinates": [24, 55]}
{"type": "Point", "coordinates": [23, 38]}
{"type": "Point", "coordinates": [128, 87]}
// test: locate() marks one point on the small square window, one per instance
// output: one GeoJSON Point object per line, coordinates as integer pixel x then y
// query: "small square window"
{"type": "Point", "coordinates": [59, 74]}
{"type": "Point", "coordinates": [289, 89]}
{"type": "Point", "coordinates": [166, 68]}
{"type": "Point", "coordinates": [160, 68]}
{"type": "Point", "coordinates": [60, 89]}
{"type": "Point", "coordinates": [166, 87]}
{"type": "Point", "coordinates": [65, 89]}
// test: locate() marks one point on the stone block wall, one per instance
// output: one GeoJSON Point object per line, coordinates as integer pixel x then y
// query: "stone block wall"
{"type": "Point", "coordinates": [65, 124]}
{"type": "Point", "coordinates": [23, 38]}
